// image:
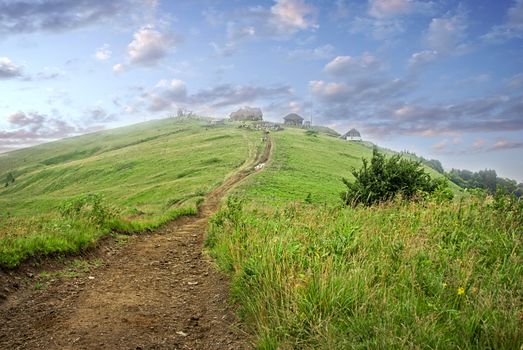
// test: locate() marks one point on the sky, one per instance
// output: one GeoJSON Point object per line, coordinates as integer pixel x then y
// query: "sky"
{"type": "Point", "coordinates": [442, 78]}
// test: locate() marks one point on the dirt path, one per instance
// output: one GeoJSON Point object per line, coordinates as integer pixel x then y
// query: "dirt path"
{"type": "Point", "coordinates": [157, 292]}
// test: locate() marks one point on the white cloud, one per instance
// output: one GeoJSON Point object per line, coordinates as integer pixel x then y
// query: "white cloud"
{"type": "Point", "coordinates": [389, 8]}
{"type": "Point", "coordinates": [23, 16]}
{"type": "Point", "coordinates": [292, 15]}
{"type": "Point", "coordinates": [175, 88]}
{"type": "Point", "coordinates": [353, 66]}
{"type": "Point", "coordinates": [148, 47]}
{"type": "Point", "coordinates": [448, 34]}
{"type": "Point", "coordinates": [240, 32]}
{"type": "Point", "coordinates": [423, 58]}
{"type": "Point", "coordinates": [394, 8]}
{"type": "Point", "coordinates": [329, 92]}
{"type": "Point", "coordinates": [279, 22]}
{"type": "Point", "coordinates": [512, 28]}
{"type": "Point", "coordinates": [168, 95]}
{"type": "Point", "coordinates": [103, 53]}
{"type": "Point", "coordinates": [8, 69]}
{"type": "Point", "coordinates": [119, 67]}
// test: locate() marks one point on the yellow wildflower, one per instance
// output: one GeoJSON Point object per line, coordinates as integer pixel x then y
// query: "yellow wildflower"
{"type": "Point", "coordinates": [444, 285]}
{"type": "Point", "coordinates": [461, 291]}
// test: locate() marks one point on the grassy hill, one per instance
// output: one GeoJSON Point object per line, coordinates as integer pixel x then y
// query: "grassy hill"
{"type": "Point", "coordinates": [306, 271]}
{"type": "Point", "coordinates": [144, 168]}
{"type": "Point", "coordinates": [146, 174]}
{"type": "Point", "coordinates": [306, 163]}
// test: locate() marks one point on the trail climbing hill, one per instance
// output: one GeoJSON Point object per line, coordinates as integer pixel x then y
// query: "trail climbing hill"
{"type": "Point", "coordinates": [159, 291]}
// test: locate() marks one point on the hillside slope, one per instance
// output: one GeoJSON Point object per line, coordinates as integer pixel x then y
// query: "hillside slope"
{"type": "Point", "coordinates": [306, 163]}
{"type": "Point", "coordinates": [146, 167]}
{"type": "Point", "coordinates": [149, 173]}
{"type": "Point", "coordinates": [140, 176]}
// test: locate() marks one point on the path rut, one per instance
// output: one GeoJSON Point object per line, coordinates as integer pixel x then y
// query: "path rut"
{"type": "Point", "coordinates": [158, 292]}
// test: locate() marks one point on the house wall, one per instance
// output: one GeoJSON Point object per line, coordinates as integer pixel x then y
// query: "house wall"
{"type": "Point", "coordinates": [353, 138]}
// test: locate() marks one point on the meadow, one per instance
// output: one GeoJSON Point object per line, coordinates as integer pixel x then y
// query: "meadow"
{"type": "Point", "coordinates": [309, 272]}
{"type": "Point", "coordinates": [431, 275]}
{"type": "Point", "coordinates": [309, 166]}
{"type": "Point", "coordinates": [135, 178]}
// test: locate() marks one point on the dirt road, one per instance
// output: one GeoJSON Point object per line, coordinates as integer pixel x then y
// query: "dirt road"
{"type": "Point", "coordinates": [159, 291]}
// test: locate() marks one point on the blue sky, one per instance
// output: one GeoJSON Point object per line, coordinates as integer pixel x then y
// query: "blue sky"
{"type": "Point", "coordinates": [440, 78]}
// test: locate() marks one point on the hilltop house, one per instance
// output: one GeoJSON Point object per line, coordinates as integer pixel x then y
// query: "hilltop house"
{"type": "Point", "coordinates": [352, 135]}
{"type": "Point", "coordinates": [292, 119]}
{"type": "Point", "coordinates": [247, 113]}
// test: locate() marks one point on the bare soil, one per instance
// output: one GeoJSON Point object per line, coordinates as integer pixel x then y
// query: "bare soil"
{"type": "Point", "coordinates": [158, 291]}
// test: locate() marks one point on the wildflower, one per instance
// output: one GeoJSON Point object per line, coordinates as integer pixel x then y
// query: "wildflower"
{"type": "Point", "coordinates": [444, 285]}
{"type": "Point", "coordinates": [461, 291]}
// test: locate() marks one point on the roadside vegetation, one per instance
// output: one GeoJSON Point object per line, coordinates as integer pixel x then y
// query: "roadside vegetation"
{"type": "Point", "coordinates": [431, 275]}
{"type": "Point", "coordinates": [63, 196]}
{"type": "Point", "coordinates": [412, 268]}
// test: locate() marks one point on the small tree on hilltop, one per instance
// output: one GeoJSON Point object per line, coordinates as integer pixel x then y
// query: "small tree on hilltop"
{"type": "Point", "coordinates": [384, 178]}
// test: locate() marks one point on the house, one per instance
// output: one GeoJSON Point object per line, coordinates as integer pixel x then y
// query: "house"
{"type": "Point", "coordinates": [247, 113]}
{"type": "Point", "coordinates": [352, 135]}
{"type": "Point", "coordinates": [293, 119]}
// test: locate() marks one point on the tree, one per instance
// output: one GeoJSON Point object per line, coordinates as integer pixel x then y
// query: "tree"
{"type": "Point", "coordinates": [184, 113]}
{"type": "Point", "coordinates": [384, 178]}
{"type": "Point", "coordinates": [436, 165]}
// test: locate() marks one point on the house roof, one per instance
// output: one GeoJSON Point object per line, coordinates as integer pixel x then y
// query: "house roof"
{"type": "Point", "coordinates": [353, 133]}
{"type": "Point", "coordinates": [247, 113]}
{"type": "Point", "coordinates": [293, 117]}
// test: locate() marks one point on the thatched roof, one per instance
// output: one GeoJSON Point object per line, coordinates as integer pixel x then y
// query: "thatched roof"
{"type": "Point", "coordinates": [247, 113]}
{"type": "Point", "coordinates": [293, 117]}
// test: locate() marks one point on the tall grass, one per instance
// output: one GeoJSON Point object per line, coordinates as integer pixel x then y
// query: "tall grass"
{"type": "Point", "coordinates": [398, 275]}
{"type": "Point", "coordinates": [55, 235]}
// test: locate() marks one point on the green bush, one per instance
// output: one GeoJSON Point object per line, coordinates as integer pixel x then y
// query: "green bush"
{"type": "Point", "coordinates": [312, 132]}
{"type": "Point", "coordinates": [385, 178]}
{"type": "Point", "coordinates": [89, 207]}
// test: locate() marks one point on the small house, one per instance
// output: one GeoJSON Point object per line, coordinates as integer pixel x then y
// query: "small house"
{"type": "Point", "coordinates": [293, 119]}
{"type": "Point", "coordinates": [352, 135]}
{"type": "Point", "coordinates": [247, 113]}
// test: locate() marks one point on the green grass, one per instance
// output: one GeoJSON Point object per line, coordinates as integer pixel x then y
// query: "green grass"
{"type": "Point", "coordinates": [394, 276]}
{"type": "Point", "coordinates": [387, 277]}
{"type": "Point", "coordinates": [148, 174]}
{"type": "Point", "coordinates": [303, 164]}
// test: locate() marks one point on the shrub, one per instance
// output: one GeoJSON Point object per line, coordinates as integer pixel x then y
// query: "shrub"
{"type": "Point", "coordinates": [9, 179]}
{"type": "Point", "coordinates": [89, 207]}
{"type": "Point", "coordinates": [311, 132]}
{"type": "Point", "coordinates": [385, 178]}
